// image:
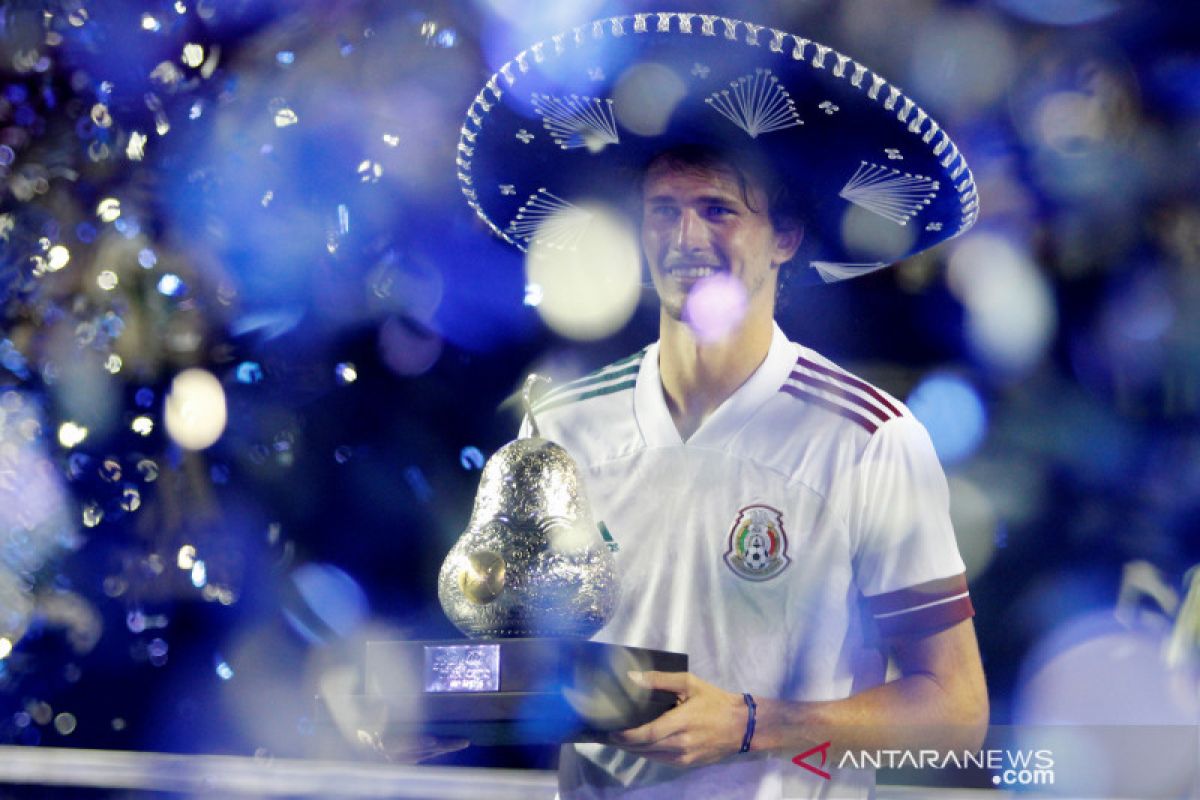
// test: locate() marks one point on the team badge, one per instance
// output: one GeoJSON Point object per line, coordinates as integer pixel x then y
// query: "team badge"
{"type": "Point", "coordinates": [757, 543]}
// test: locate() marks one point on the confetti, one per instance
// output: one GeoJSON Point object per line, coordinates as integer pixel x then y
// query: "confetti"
{"type": "Point", "coordinates": [156, 651]}
{"type": "Point", "coordinates": [57, 258]}
{"type": "Point", "coordinates": [93, 514]}
{"type": "Point", "coordinates": [108, 209]}
{"type": "Point", "coordinates": [199, 574]}
{"type": "Point", "coordinates": [131, 498]}
{"type": "Point", "coordinates": [282, 113]}
{"type": "Point", "coordinates": [110, 470]}
{"type": "Point", "coordinates": [100, 116]}
{"type": "Point", "coordinates": [533, 294]}
{"type": "Point", "coordinates": [71, 434]}
{"type": "Point", "coordinates": [249, 372]}
{"type": "Point", "coordinates": [135, 150]}
{"type": "Point", "coordinates": [193, 54]}
{"type": "Point", "coordinates": [471, 458]}
{"type": "Point", "coordinates": [166, 75]}
{"type": "Point", "coordinates": [171, 285]}
{"type": "Point", "coordinates": [370, 171]}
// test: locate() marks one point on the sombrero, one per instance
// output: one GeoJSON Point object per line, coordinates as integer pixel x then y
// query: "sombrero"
{"type": "Point", "coordinates": [565, 119]}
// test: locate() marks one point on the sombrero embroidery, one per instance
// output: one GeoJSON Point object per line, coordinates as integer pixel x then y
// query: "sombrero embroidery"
{"type": "Point", "coordinates": [564, 122]}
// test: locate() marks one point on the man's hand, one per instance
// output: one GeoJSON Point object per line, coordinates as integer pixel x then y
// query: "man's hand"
{"type": "Point", "coordinates": [939, 702]}
{"type": "Point", "coordinates": [707, 725]}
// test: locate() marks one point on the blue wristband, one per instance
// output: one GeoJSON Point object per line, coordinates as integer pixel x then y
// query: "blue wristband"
{"type": "Point", "coordinates": [751, 711]}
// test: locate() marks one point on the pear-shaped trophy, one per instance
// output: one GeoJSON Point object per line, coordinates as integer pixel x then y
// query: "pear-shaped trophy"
{"type": "Point", "coordinates": [529, 581]}
{"type": "Point", "coordinates": [531, 561]}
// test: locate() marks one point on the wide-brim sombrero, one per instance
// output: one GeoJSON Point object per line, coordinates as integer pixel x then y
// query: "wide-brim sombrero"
{"type": "Point", "coordinates": [573, 116]}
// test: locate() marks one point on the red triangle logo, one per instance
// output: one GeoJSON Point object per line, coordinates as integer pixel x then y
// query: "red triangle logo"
{"type": "Point", "coordinates": [823, 749]}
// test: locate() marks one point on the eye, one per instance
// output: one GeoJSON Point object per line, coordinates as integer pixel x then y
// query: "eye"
{"type": "Point", "coordinates": [717, 211]}
{"type": "Point", "coordinates": [662, 213]}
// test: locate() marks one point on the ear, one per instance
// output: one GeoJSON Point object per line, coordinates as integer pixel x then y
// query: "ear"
{"type": "Point", "coordinates": [787, 242]}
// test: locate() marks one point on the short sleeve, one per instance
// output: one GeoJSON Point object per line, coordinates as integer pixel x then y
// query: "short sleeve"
{"type": "Point", "coordinates": [906, 558]}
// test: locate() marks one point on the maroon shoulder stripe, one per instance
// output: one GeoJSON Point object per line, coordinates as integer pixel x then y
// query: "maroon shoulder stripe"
{"type": "Point", "coordinates": [796, 391]}
{"type": "Point", "coordinates": [849, 397]}
{"type": "Point", "coordinates": [849, 380]}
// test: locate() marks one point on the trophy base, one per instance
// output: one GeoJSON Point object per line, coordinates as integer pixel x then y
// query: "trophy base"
{"type": "Point", "coordinates": [513, 691]}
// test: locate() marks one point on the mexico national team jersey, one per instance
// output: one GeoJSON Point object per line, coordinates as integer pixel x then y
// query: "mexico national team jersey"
{"type": "Point", "coordinates": [802, 523]}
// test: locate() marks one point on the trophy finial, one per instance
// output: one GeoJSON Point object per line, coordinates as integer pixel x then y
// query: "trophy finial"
{"type": "Point", "coordinates": [527, 400]}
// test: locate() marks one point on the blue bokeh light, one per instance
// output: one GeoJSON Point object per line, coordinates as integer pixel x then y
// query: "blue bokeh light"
{"type": "Point", "coordinates": [1063, 12]}
{"type": "Point", "coordinates": [249, 372]}
{"type": "Point", "coordinates": [953, 413]}
{"type": "Point", "coordinates": [329, 602]}
{"type": "Point", "coordinates": [224, 671]}
{"type": "Point", "coordinates": [171, 285]}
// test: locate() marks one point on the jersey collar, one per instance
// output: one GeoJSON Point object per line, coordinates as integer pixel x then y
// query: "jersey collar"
{"type": "Point", "coordinates": [654, 420]}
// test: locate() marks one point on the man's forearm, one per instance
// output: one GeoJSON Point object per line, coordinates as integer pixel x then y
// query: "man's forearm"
{"type": "Point", "coordinates": [940, 703]}
{"type": "Point", "coordinates": [912, 712]}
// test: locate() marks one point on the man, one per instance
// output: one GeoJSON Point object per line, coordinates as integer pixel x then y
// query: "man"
{"type": "Point", "coordinates": [781, 521]}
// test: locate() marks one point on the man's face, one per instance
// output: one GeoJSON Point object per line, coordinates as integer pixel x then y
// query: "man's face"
{"type": "Point", "coordinates": [697, 224]}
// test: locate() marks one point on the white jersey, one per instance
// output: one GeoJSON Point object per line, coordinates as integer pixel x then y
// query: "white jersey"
{"type": "Point", "coordinates": [806, 518]}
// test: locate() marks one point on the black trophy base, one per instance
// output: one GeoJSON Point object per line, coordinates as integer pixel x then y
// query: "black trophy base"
{"type": "Point", "coordinates": [514, 691]}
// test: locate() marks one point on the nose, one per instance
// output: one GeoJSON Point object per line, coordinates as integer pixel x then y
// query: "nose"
{"type": "Point", "coordinates": [692, 235]}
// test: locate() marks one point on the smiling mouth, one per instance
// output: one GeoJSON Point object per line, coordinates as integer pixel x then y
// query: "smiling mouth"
{"type": "Point", "coordinates": [691, 271]}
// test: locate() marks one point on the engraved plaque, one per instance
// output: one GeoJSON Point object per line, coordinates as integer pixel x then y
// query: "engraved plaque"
{"type": "Point", "coordinates": [462, 668]}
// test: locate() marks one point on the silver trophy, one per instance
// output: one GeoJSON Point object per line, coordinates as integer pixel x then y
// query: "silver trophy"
{"type": "Point", "coordinates": [531, 561]}
{"type": "Point", "coordinates": [529, 581]}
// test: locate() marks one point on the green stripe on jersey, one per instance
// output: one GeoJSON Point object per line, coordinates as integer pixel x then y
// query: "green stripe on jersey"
{"type": "Point", "coordinates": [616, 369]}
{"type": "Point", "coordinates": [592, 380]}
{"type": "Point", "coordinates": [575, 398]}
{"type": "Point", "coordinates": [608, 537]}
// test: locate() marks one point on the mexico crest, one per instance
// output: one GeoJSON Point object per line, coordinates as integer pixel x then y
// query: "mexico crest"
{"type": "Point", "coordinates": [757, 543]}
